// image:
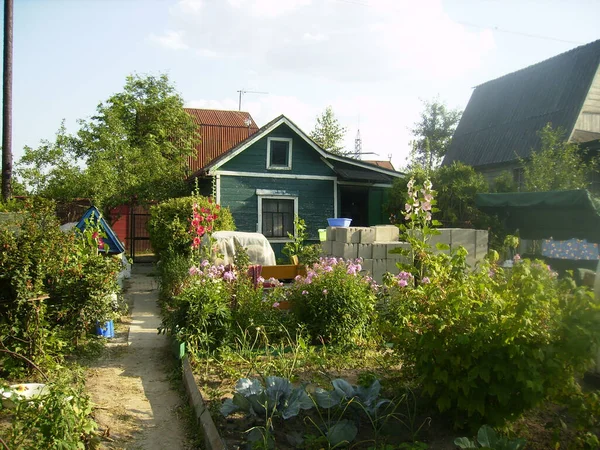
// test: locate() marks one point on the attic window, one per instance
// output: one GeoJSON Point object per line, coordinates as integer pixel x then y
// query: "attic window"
{"type": "Point", "coordinates": [279, 153]}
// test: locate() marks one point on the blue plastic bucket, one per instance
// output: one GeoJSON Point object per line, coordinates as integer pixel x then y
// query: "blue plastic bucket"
{"type": "Point", "coordinates": [106, 330]}
{"type": "Point", "coordinates": [339, 222]}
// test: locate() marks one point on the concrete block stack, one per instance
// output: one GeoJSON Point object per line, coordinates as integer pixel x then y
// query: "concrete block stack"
{"type": "Point", "coordinates": [374, 246]}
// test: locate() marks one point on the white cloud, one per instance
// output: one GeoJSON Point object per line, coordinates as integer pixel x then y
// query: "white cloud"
{"type": "Point", "coordinates": [344, 41]}
{"type": "Point", "coordinates": [170, 39]}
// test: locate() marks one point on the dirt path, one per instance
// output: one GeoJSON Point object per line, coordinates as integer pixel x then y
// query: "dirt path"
{"type": "Point", "coordinates": [137, 407]}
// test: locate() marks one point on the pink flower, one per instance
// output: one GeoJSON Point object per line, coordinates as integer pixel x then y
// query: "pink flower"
{"type": "Point", "coordinates": [426, 206]}
{"type": "Point", "coordinates": [428, 216]}
{"type": "Point", "coordinates": [517, 258]}
{"type": "Point", "coordinates": [95, 235]}
{"type": "Point", "coordinates": [229, 276]}
{"type": "Point", "coordinates": [325, 291]}
{"type": "Point", "coordinates": [196, 242]}
{"type": "Point", "coordinates": [428, 197]}
{"type": "Point", "coordinates": [402, 283]}
{"type": "Point", "coordinates": [407, 207]}
{"type": "Point", "coordinates": [275, 305]}
{"type": "Point", "coordinates": [200, 230]}
{"type": "Point", "coordinates": [194, 270]}
{"type": "Point", "coordinates": [260, 280]}
{"type": "Point", "coordinates": [304, 292]}
{"type": "Point", "coordinates": [425, 280]}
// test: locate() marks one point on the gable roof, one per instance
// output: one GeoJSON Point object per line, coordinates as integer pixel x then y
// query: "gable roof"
{"type": "Point", "coordinates": [219, 131]}
{"type": "Point", "coordinates": [93, 216]}
{"type": "Point", "coordinates": [330, 159]}
{"type": "Point", "coordinates": [504, 115]}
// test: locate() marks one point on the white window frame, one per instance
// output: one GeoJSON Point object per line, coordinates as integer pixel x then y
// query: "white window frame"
{"type": "Point", "coordinates": [276, 197]}
{"type": "Point", "coordinates": [289, 159]}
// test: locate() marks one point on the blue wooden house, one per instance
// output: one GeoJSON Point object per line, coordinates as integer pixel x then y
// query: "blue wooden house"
{"type": "Point", "coordinates": [279, 172]}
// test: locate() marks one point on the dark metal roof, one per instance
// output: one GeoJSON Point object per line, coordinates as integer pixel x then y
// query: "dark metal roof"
{"type": "Point", "coordinates": [219, 131]}
{"type": "Point", "coordinates": [360, 174]}
{"type": "Point", "coordinates": [503, 116]}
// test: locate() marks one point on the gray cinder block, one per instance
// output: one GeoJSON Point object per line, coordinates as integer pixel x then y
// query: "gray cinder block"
{"type": "Point", "coordinates": [367, 266]}
{"type": "Point", "coordinates": [367, 235]}
{"type": "Point", "coordinates": [331, 233]}
{"type": "Point", "coordinates": [327, 248]}
{"type": "Point", "coordinates": [365, 251]}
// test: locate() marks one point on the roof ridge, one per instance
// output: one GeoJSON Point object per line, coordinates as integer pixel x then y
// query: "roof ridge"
{"type": "Point", "coordinates": [579, 48]}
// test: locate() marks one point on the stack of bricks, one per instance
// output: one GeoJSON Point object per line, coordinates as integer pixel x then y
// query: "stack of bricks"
{"type": "Point", "coordinates": [373, 245]}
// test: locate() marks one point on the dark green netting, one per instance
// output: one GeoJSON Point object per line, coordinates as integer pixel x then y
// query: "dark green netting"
{"type": "Point", "coordinates": [559, 215]}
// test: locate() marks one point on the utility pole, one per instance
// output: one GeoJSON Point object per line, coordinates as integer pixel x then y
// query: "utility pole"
{"type": "Point", "coordinates": [242, 91]}
{"type": "Point", "coordinates": [7, 101]}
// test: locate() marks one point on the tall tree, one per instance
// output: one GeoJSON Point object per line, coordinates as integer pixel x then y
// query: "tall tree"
{"type": "Point", "coordinates": [433, 134]}
{"type": "Point", "coordinates": [328, 133]}
{"type": "Point", "coordinates": [558, 165]}
{"type": "Point", "coordinates": [51, 170]}
{"type": "Point", "coordinates": [137, 144]}
{"type": "Point", "coordinates": [134, 149]}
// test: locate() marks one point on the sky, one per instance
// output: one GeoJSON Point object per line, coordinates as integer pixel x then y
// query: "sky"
{"type": "Point", "coordinates": [373, 61]}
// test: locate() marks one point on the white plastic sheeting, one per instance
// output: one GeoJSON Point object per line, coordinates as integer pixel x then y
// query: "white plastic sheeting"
{"type": "Point", "coordinates": [257, 246]}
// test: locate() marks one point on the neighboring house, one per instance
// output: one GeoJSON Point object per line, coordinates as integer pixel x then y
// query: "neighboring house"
{"type": "Point", "coordinates": [279, 172]}
{"type": "Point", "coordinates": [503, 116]}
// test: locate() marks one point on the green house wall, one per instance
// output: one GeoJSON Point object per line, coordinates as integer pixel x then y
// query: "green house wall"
{"type": "Point", "coordinates": [305, 159]}
{"type": "Point", "coordinates": [315, 200]}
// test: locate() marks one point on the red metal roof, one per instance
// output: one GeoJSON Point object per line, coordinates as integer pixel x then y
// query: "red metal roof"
{"type": "Point", "coordinates": [219, 131]}
{"type": "Point", "coordinates": [384, 164]}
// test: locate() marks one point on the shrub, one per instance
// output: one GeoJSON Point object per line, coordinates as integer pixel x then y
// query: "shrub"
{"type": "Point", "coordinates": [334, 301]}
{"type": "Point", "coordinates": [60, 419]}
{"type": "Point", "coordinates": [40, 259]}
{"type": "Point", "coordinates": [169, 224]}
{"type": "Point", "coordinates": [488, 345]}
{"type": "Point", "coordinates": [172, 274]}
{"type": "Point", "coordinates": [201, 314]}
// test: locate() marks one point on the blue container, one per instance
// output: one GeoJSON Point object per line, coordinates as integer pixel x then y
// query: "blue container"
{"type": "Point", "coordinates": [106, 330]}
{"type": "Point", "coordinates": [339, 222]}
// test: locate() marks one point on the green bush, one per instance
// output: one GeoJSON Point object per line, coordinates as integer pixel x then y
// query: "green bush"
{"type": "Point", "coordinates": [172, 274]}
{"type": "Point", "coordinates": [37, 260]}
{"type": "Point", "coordinates": [201, 314]}
{"type": "Point", "coordinates": [60, 419]}
{"type": "Point", "coordinates": [489, 345]}
{"type": "Point", "coordinates": [334, 301]}
{"type": "Point", "coordinates": [169, 224]}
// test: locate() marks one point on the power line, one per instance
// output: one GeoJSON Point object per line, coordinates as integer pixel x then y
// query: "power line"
{"type": "Point", "coordinates": [473, 25]}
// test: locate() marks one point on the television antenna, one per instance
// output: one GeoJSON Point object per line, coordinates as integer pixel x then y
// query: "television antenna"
{"type": "Point", "coordinates": [241, 92]}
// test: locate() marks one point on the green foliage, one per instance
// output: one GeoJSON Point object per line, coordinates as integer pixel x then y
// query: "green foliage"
{"type": "Point", "coordinates": [172, 274]}
{"type": "Point", "coordinates": [52, 169]}
{"type": "Point", "coordinates": [489, 345]}
{"type": "Point", "coordinates": [558, 165]}
{"type": "Point", "coordinates": [333, 301]}
{"type": "Point", "coordinates": [200, 315]}
{"type": "Point", "coordinates": [487, 438]}
{"type": "Point", "coordinates": [307, 254]}
{"type": "Point", "coordinates": [433, 134]}
{"type": "Point", "coordinates": [37, 260]}
{"type": "Point", "coordinates": [134, 149]}
{"type": "Point", "coordinates": [60, 419]}
{"type": "Point", "coordinates": [277, 396]}
{"type": "Point", "coordinates": [504, 182]}
{"type": "Point", "coordinates": [169, 224]}
{"type": "Point", "coordinates": [456, 187]}
{"type": "Point", "coordinates": [328, 133]}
